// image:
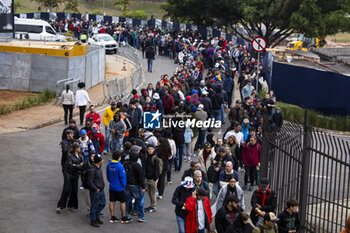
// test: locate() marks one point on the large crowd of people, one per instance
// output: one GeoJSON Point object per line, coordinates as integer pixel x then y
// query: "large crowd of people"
{"type": "Point", "coordinates": [142, 160]}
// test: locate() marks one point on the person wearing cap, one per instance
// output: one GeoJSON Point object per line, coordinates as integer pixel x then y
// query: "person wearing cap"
{"type": "Point", "coordinates": [181, 193]}
{"type": "Point", "coordinates": [206, 101]}
{"type": "Point", "coordinates": [96, 185]}
{"type": "Point", "coordinates": [107, 117]}
{"type": "Point", "coordinates": [158, 103]}
{"type": "Point", "coordinates": [251, 158]}
{"type": "Point", "coordinates": [68, 101]}
{"type": "Point", "coordinates": [96, 117]}
{"type": "Point", "coordinates": [72, 170]}
{"type": "Point", "coordinates": [236, 113]}
{"type": "Point", "coordinates": [245, 128]}
{"type": "Point", "coordinates": [97, 138]}
{"type": "Point", "coordinates": [66, 146]}
{"type": "Point", "coordinates": [227, 214]}
{"type": "Point", "coordinates": [86, 145]}
{"type": "Point", "coordinates": [199, 216]}
{"type": "Point", "coordinates": [268, 225]}
{"type": "Point", "coordinates": [72, 126]}
{"type": "Point", "coordinates": [263, 200]}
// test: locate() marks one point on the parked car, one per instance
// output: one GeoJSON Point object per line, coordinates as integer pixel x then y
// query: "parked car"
{"type": "Point", "coordinates": [104, 40]}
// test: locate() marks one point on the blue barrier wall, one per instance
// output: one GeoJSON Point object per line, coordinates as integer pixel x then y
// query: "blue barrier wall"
{"type": "Point", "coordinates": [323, 91]}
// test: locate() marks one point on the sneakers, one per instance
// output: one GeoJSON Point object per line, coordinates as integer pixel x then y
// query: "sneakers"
{"type": "Point", "coordinates": [125, 220]}
{"type": "Point", "coordinates": [81, 187]}
{"type": "Point", "coordinates": [251, 188]}
{"type": "Point", "coordinates": [150, 209]}
{"type": "Point", "coordinates": [72, 209]}
{"type": "Point", "coordinates": [58, 210]}
{"type": "Point", "coordinates": [141, 219]}
{"type": "Point", "coordinates": [160, 197]}
{"type": "Point", "coordinates": [104, 152]}
{"type": "Point", "coordinates": [94, 224]}
{"type": "Point", "coordinates": [114, 219]}
{"type": "Point", "coordinates": [99, 221]}
{"type": "Point", "coordinates": [244, 187]}
{"type": "Point", "coordinates": [169, 182]}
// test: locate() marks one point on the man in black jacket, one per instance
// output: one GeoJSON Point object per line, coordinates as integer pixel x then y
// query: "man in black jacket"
{"type": "Point", "coordinates": [227, 214]}
{"type": "Point", "coordinates": [152, 175]}
{"type": "Point", "coordinates": [97, 196]}
{"type": "Point", "coordinates": [179, 138]}
{"type": "Point", "coordinates": [135, 187]}
{"type": "Point", "coordinates": [66, 146]}
{"type": "Point", "coordinates": [72, 126]}
{"type": "Point", "coordinates": [194, 165]}
{"type": "Point", "coordinates": [182, 192]}
{"type": "Point", "coordinates": [263, 200]}
{"type": "Point", "coordinates": [217, 101]}
{"type": "Point", "coordinates": [150, 57]}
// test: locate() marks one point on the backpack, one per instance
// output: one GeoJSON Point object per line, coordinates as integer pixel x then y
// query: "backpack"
{"type": "Point", "coordinates": [160, 164]}
{"type": "Point", "coordinates": [262, 229]}
{"type": "Point", "coordinates": [129, 173]}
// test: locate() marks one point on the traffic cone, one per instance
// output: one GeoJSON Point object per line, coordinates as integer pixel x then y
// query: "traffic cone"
{"type": "Point", "coordinates": [124, 66]}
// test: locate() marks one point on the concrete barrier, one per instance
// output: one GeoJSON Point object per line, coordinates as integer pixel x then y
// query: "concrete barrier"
{"type": "Point", "coordinates": [35, 72]}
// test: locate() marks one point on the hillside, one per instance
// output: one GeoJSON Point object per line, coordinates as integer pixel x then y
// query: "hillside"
{"type": "Point", "coordinates": [95, 7]}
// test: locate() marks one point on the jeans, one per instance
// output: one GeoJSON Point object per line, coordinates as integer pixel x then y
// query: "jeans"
{"type": "Point", "coordinates": [82, 113]}
{"type": "Point", "coordinates": [70, 190]}
{"type": "Point", "coordinates": [216, 188]}
{"type": "Point", "coordinates": [188, 150]}
{"type": "Point", "coordinates": [216, 114]}
{"type": "Point", "coordinates": [107, 138]}
{"type": "Point", "coordinates": [201, 231]}
{"type": "Point", "coordinates": [200, 140]}
{"type": "Point", "coordinates": [135, 191]}
{"type": "Point", "coordinates": [150, 64]}
{"type": "Point", "coordinates": [168, 175]}
{"type": "Point", "coordinates": [181, 224]}
{"type": "Point", "coordinates": [250, 172]}
{"type": "Point", "coordinates": [179, 156]}
{"type": "Point", "coordinates": [98, 202]}
{"type": "Point", "coordinates": [116, 144]}
{"type": "Point", "coordinates": [67, 107]}
{"type": "Point", "coordinates": [222, 113]}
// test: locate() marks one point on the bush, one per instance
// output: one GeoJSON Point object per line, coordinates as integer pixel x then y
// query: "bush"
{"type": "Point", "coordinates": [139, 14]}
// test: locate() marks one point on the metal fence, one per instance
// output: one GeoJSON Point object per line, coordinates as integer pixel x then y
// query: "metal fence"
{"type": "Point", "coordinates": [312, 167]}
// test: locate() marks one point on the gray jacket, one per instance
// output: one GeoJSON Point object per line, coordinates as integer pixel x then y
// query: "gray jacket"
{"type": "Point", "coordinates": [222, 194]}
{"type": "Point", "coordinates": [119, 127]}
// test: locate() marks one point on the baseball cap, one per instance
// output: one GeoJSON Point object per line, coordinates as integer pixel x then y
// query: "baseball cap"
{"type": "Point", "coordinates": [246, 121]}
{"type": "Point", "coordinates": [156, 96]}
{"type": "Point", "coordinates": [238, 102]}
{"type": "Point", "coordinates": [188, 182]}
{"type": "Point", "coordinates": [72, 121]}
{"type": "Point", "coordinates": [264, 182]}
{"type": "Point", "coordinates": [113, 103]}
{"type": "Point", "coordinates": [200, 107]}
{"type": "Point", "coordinates": [83, 132]}
{"type": "Point", "coordinates": [188, 97]}
{"type": "Point", "coordinates": [69, 131]}
{"type": "Point", "coordinates": [204, 92]}
{"type": "Point", "coordinates": [270, 216]}
{"type": "Point", "coordinates": [97, 158]}
{"type": "Point", "coordinates": [207, 145]}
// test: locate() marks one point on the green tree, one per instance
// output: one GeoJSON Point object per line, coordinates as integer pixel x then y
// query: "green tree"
{"type": "Point", "coordinates": [72, 6]}
{"type": "Point", "coordinates": [273, 19]}
{"type": "Point", "coordinates": [122, 5]}
{"type": "Point", "coordinates": [140, 14]}
{"type": "Point", "coordinates": [49, 4]}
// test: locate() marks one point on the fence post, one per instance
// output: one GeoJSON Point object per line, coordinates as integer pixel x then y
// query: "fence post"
{"type": "Point", "coordinates": [264, 163]}
{"type": "Point", "coordinates": [305, 171]}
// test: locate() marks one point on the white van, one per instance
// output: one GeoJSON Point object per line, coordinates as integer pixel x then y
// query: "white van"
{"type": "Point", "coordinates": [35, 29]}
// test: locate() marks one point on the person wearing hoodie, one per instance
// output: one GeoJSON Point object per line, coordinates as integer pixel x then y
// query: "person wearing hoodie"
{"type": "Point", "coordinates": [241, 225]}
{"type": "Point", "coordinates": [277, 118]}
{"type": "Point", "coordinates": [231, 188]}
{"type": "Point", "coordinates": [135, 187]}
{"type": "Point", "coordinates": [117, 128]}
{"type": "Point", "coordinates": [116, 177]}
{"type": "Point", "coordinates": [152, 175]}
{"type": "Point", "coordinates": [347, 227]}
{"type": "Point", "coordinates": [245, 128]}
{"type": "Point", "coordinates": [72, 126]}
{"type": "Point", "coordinates": [227, 214]}
{"type": "Point", "coordinates": [158, 103]}
{"type": "Point", "coordinates": [289, 221]}
{"type": "Point", "coordinates": [97, 138]}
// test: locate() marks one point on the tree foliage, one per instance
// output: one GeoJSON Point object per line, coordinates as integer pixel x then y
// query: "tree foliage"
{"type": "Point", "coordinates": [273, 19]}
{"type": "Point", "coordinates": [48, 4]}
{"type": "Point", "coordinates": [72, 6]}
{"type": "Point", "coordinates": [140, 14]}
{"type": "Point", "coordinates": [122, 5]}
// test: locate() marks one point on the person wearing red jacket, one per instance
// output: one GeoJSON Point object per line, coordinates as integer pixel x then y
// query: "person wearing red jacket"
{"type": "Point", "coordinates": [97, 138]}
{"type": "Point", "coordinates": [95, 116]}
{"type": "Point", "coordinates": [199, 215]}
{"type": "Point", "coordinates": [251, 159]}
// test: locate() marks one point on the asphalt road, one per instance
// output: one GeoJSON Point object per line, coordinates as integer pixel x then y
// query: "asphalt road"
{"type": "Point", "coordinates": [31, 184]}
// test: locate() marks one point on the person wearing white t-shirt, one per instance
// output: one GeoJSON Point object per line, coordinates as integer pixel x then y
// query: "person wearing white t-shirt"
{"type": "Point", "coordinates": [81, 100]}
{"type": "Point", "coordinates": [240, 139]}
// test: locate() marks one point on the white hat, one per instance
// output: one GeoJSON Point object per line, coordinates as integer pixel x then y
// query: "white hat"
{"type": "Point", "coordinates": [200, 107]}
{"type": "Point", "coordinates": [156, 96]}
{"type": "Point", "coordinates": [204, 92]}
{"type": "Point", "coordinates": [188, 182]}
{"type": "Point", "coordinates": [246, 121]}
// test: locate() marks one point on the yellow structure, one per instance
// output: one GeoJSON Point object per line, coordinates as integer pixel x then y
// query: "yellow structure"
{"type": "Point", "coordinates": [304, 43]}
{"type": "Point", "coordinates": [58, 49]}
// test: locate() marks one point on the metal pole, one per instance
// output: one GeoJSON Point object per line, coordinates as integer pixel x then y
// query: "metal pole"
{"type": "Point", "coordinates": [305, 170]}
{"type": "Point", "coordinates": [257, 74]}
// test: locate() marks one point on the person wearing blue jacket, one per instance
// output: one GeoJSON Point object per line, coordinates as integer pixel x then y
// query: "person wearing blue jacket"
{"type": "Point", "coordinates": [245, 128]}
{"type": "Point", "coordinates": [116, 177]}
